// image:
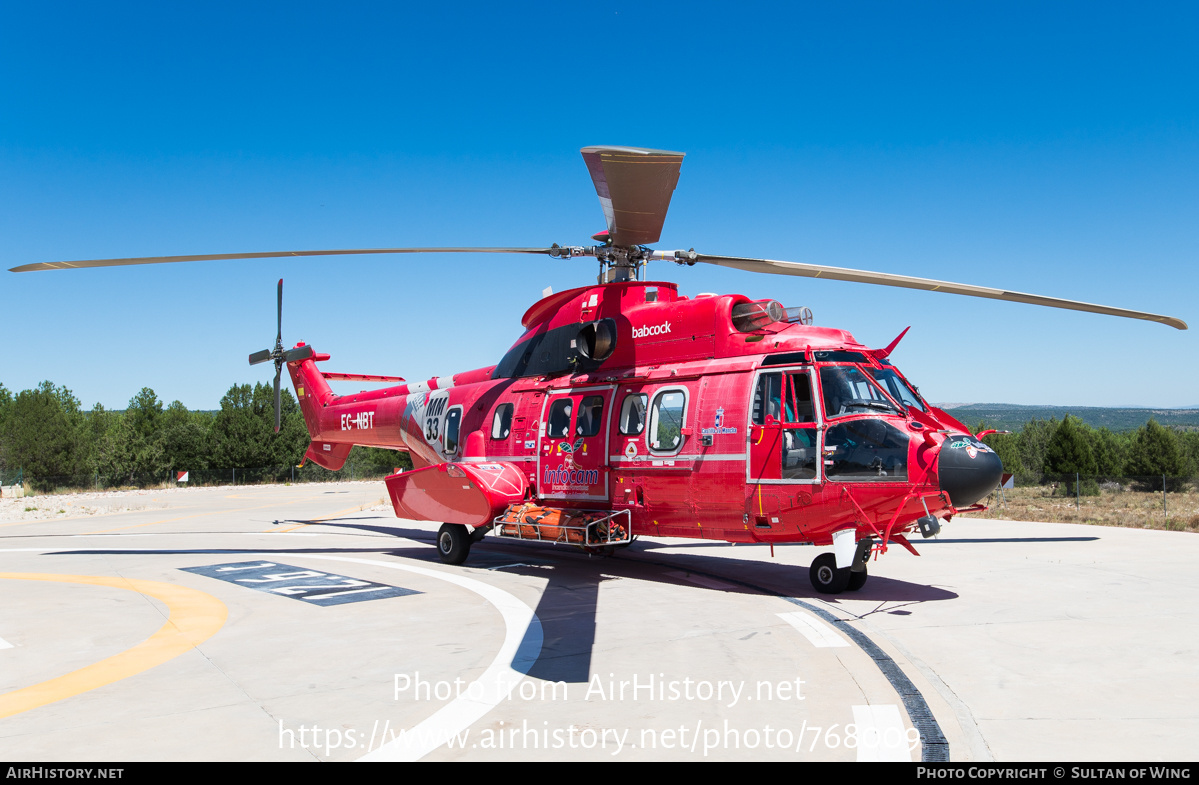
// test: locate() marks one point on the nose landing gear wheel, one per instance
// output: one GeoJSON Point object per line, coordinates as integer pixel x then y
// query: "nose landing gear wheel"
{"type": "Point", "coordinates": [856, 580]}
{"type": "Point", "coordinates": [453, 543]}
{"type": "Point", "coordinates": [825, 576]}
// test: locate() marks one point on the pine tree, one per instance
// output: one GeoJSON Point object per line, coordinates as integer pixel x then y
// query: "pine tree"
{"type": "Point", "coordinates": [1033, 441]}
{"type": "Point", "coordinates": [1110, 449]}
{"type": "Point", "coordinates": [1069, 452]}
{"type": "Point", "coordinates": [1155, 453]}
{"type": "Point", "coordinates": [43, 435]}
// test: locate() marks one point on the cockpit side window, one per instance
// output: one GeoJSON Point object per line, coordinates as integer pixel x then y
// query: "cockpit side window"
{"type": "Point", "coordinates": [866, 450]}
{"type": "Point", "coordinates": [799, 399]}
{"type": "Point", "coordinates": [768, 398]}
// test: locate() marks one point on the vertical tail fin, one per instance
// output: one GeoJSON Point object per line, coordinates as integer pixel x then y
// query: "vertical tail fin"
{"type": "Point", "coordinates": [313, 394]}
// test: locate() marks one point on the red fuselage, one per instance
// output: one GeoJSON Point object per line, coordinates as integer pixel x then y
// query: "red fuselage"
{"type": "Point", "coordinates": [699, 421]}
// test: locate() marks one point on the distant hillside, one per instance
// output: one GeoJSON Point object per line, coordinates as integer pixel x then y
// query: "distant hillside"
{"type": "Point", "coordinates": [1010, 417]}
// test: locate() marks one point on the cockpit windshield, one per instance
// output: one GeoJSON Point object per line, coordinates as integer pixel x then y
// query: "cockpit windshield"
{"type": "Point", "coordinates": [847, 390]}
{"type": "Point", "coordinates": [894, 384]}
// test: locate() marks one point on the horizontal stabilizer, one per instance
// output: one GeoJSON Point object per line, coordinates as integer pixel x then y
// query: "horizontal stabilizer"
{"type": "Point", "coordinates": [331, 456]}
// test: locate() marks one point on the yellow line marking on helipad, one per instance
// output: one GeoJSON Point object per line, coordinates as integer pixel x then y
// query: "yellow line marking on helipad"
{"type": "Point", "coordinates": [338, 514]}
{"type": "Point", "coordinates": [195, 616]}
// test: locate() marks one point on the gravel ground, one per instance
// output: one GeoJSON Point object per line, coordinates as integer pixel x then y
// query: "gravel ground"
{"type": "Point", "coordinates": [74, 505]}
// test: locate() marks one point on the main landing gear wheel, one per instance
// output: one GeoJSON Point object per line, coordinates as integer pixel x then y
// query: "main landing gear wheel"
{"type": "Point", "coordinates": [825, 576]}
{"type": "Point", "coordinates": [453, 543]}
{"type": "Point", "coordinates": [856, 580]}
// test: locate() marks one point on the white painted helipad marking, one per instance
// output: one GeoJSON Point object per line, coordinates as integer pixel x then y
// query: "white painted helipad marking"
{"type": "Point", "coordinates": [881, 735]}
{"type": "Point", "coordinates": [516, 656]}
{"type": "Point", "coordinates": [5, 644]}
{"type": "Point", "coordinates": [702, 580]}
{"type": "Point", "coordinates": [523, 638]}
{"type": "Point", "coordinates": [817, 632]}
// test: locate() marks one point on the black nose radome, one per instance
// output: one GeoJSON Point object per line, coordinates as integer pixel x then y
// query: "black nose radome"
{"type": "Point", "coordinates": [969, 469]}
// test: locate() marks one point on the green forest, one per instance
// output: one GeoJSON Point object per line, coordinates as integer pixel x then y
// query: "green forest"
{"type": "Point", "coordinates": [1055, 451]}
{"type": "Point", "coordinates": [47, 441]}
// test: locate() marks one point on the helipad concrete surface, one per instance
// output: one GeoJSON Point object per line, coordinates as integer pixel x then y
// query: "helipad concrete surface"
{"type": "Point", "coordinates": [308, 623]}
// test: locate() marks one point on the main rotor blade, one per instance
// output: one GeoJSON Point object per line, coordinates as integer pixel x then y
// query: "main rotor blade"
{"type": "Point", "coordinates": [25, 268]}
{"type": "Point", "coordinates": [278, 410]}
{"type": "Point", "coordinates": [634, 187]}
{"type": "Point", "coordinates": [279, 333]}
{"type": "Point", "coordinates": [926, 284]}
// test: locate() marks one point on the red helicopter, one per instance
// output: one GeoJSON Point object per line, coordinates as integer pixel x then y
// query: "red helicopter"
{"type": "Point", "coordinates": [626, 408]}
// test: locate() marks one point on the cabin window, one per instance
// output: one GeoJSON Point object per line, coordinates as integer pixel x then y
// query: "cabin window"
{"type": "Point", "coordinates": [501, 424]}
{"type": "Point", "coordinates": [632, 414]}
{"type": "Point", "coordinates": [591, 415]}
{"type": "Point", "coordinates": [559, 420]}
{"type": "Point", "coordinates": [666, 420]}
{"type": "Point", "coordinates": [453, 420]}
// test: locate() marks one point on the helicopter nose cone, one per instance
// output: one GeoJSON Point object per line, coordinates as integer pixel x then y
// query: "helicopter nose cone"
{"type": "Point", "coordinates": [969, 469]}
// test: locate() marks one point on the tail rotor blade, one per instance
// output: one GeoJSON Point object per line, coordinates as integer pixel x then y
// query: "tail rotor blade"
{"type": "Point", "coordinates": [296, 355]}
{"type": "Point", "coordinates": [260, 357]}
{"type": "Point", "coordinates": [278, 410]}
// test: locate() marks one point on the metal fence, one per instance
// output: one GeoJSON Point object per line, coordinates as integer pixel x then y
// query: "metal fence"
{"type": "Point", "coordinates": [251, 475]}
{"type": "Point", "coordinates": [1154, 501]}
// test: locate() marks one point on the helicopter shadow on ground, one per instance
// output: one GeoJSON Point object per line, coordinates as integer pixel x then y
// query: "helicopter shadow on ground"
{"type": "Point", "coordinates": [569, 602]}
{"type": "Point", "coordinates": [943, 540]}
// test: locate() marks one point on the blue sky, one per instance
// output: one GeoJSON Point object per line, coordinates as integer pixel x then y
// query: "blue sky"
{"type": "Point", "coordinates": [1044, 148]}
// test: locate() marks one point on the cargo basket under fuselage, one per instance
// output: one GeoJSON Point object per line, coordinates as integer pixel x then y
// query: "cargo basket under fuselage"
{"type": "Point", "coordinates": [585, 528]}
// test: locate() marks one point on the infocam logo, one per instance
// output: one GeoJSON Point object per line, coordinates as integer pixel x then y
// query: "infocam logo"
{"type": "Point", "coordinates": [657, 329]}
{"type": "Point", "coordinates": [571, 476]}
